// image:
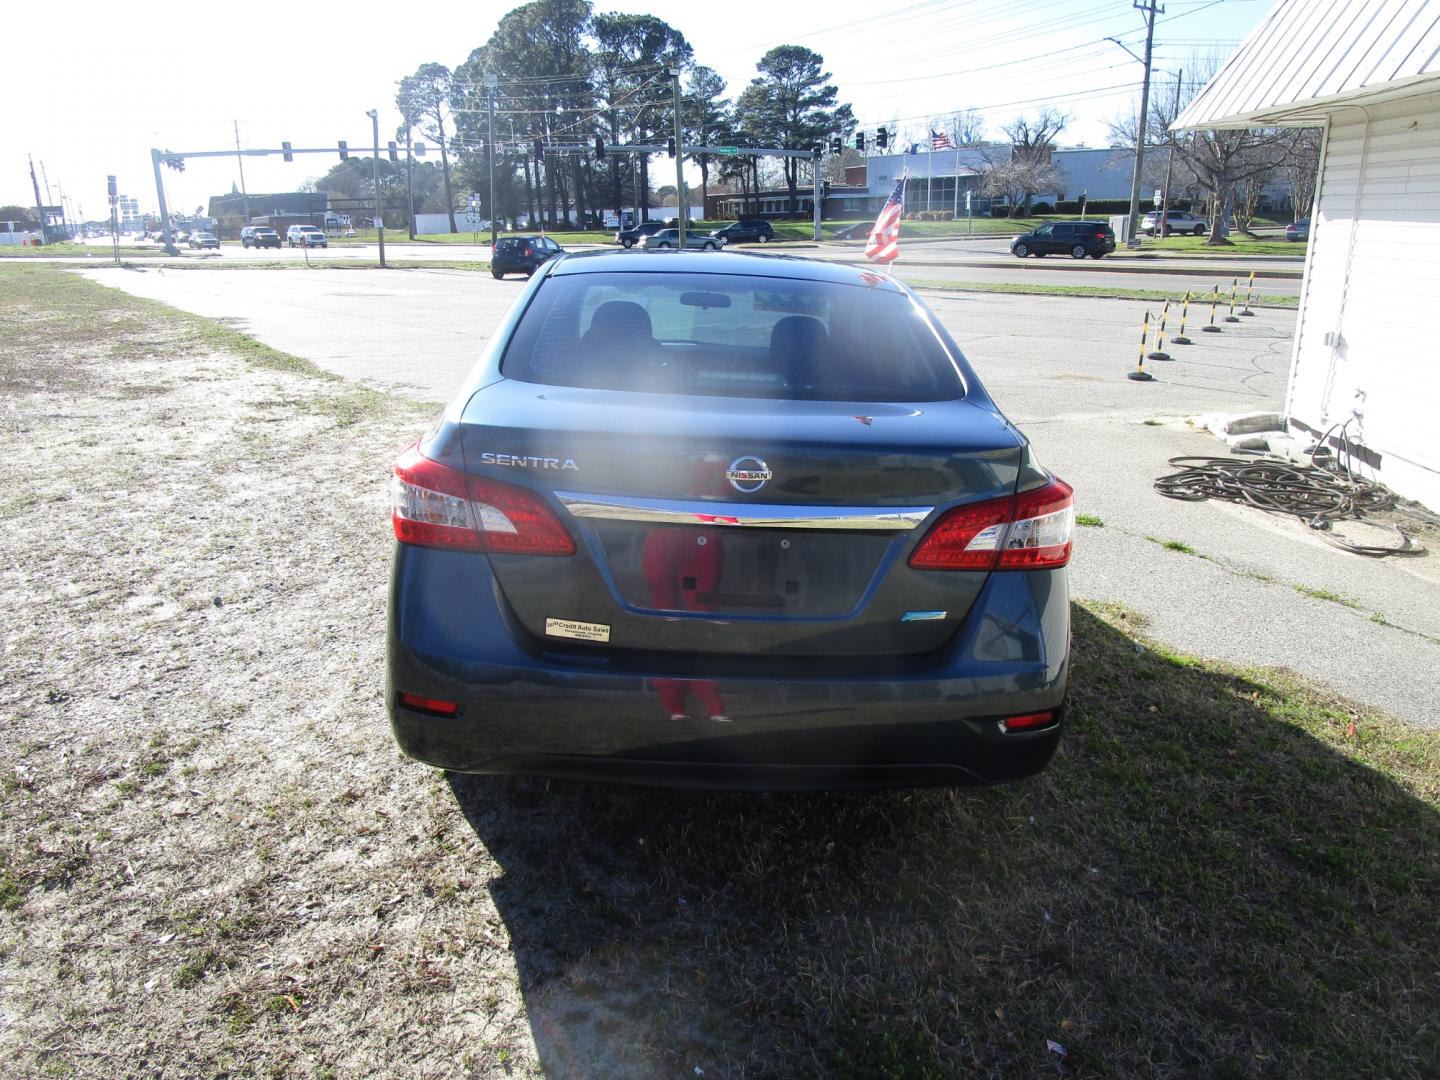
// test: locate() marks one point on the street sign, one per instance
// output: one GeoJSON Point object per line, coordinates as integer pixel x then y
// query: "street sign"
{"type": "Point", "coordinates": [725, 151]}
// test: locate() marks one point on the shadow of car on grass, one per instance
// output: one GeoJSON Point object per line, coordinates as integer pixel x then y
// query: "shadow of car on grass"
{"type": "Point", "coordinates": [1200, 884]}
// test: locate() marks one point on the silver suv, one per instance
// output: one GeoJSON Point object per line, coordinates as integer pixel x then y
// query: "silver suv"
{"type": "Point", "coordinates": [305, 236]}
{"type": "Point", "coordinates": [1181, 221]}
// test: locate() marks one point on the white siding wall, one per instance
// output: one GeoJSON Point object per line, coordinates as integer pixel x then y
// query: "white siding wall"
{"type": "Point", "coordinates": [1370, 320]}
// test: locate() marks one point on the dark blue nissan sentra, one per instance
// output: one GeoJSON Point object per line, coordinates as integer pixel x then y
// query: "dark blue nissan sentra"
{"type": "Point", "coordinates": [724, 520]}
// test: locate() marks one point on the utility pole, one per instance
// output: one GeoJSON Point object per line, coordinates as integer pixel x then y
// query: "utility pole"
{"type": "Point", "coordinates": [1170, 159]}
{"type": "Point", "coordinates": [379, 208]}
{"type": "Point", "coordinates": [490, 83]}
{"type": "Point", "coordinates": [112, 191]}
{"type": "Point", "coordinates": [409, 180]}
{"type": "Point", "coordinates": [240, 161]}
{"type": "Point", "coordinates": [169, 243]}
{"type": "Point", "coordinates": [39, 206]}
{"type": "Point", "coordinates": [680, 199]}
{"type": "Point", "coordinates": [1149, 9]}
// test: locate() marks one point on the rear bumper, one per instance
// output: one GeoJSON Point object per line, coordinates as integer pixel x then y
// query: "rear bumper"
{"type": "Point", "coordinates": [524, 710]}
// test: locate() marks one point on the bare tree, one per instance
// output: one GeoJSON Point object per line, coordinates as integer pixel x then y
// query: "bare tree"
{"type": "Point", "coordinates": [1028, 168]}
{"type": "Point", "coordinates": [1247, 199]}
{"type": "Point", "coordinates": [967, 127]}
{"type": "Point", "coordinates": [1301, 165]}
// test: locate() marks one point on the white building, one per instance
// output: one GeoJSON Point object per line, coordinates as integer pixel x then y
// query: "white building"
{"type": "Point", "coordinates": [1364, 358]}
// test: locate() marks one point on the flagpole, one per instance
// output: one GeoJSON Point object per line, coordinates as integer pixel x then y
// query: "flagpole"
{"type": "Point", "coordinates": [955, 209]}
{"type": "Point", "coordinates": [929, 171]}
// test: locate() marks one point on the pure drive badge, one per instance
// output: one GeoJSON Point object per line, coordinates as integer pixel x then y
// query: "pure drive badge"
{"type": "Point", "coordinates": [748, 474]}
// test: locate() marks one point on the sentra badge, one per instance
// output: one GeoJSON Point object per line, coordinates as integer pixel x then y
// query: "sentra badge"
{"type": "Point", "coordinates": [748, 475]}
{"type": "Point", "coordinates": [523, 461]}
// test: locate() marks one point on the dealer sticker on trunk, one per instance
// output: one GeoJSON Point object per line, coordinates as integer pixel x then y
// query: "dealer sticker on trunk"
{"type": "Point", "coordinates": [580, 631]}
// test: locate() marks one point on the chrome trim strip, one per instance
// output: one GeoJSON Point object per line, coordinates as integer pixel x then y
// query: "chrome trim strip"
{"type": "Point", "coordinates": [743, 515]}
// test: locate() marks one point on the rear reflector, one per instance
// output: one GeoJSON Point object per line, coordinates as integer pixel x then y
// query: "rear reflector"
{"type": "Point", "coordinates": [433, 505]}
{"type": "Point", "coordinates": [438, 706]}
{"type": "Point", "coordinates": [1028, 722]}
{"type": "Point", "coordinates": [1029, 531]}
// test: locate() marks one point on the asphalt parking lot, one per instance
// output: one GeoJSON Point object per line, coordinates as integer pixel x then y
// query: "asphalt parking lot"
{"type": "Point", "coordinates": [1234, 584]}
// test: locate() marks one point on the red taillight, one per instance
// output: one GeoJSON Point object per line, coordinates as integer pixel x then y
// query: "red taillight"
{"type": "Point", "coordinates": [438, 706]}
{"type": "Point", "coordinates": [1030, 531]}
{"type": "Point", "coordinates": [1028, 722]}
{"type": "Point", "coordinates": [433, 505]}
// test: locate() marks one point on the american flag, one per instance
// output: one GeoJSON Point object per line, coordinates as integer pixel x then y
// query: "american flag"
{"type": "Point", "coordinates": [940, 141]}
{"type": "Point", "coordinates": [884, 243]}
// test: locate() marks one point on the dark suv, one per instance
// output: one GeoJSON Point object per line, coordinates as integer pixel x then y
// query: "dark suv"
{"type": "Point", "coordinates": [747, 231]}
{"type": "Point", "coordinates": [628, 238]}
{"type": "Point", "coordinates": [1074, 238]}
{"type": "Point", "coordinates": [522, 254]}
{"type": "Point", "coordinates": [259, 236]}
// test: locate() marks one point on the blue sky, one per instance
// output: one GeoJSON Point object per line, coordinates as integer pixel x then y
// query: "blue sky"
{"type": "Point", "coordinates": [182, 73]}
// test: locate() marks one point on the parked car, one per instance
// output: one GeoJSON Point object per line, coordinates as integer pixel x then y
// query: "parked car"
{"type": "Point", "coordinates": [181, 237]}
{"type": "Point", "coordinates": [1298, 230]}
{"type": "Point", "coordinates": [306, 236]}
{"type": "Point", "coordinates": [670, 238]}
{"type": "Point", "coordinates": [204, 240]}
{"type": "Point", "coordinates": [859, 231]}
{"type": "Point", "coordinates": [747, 231]}
{"type": "Point", "coordinates": [1175, 221]}
{"type": "Point", "coordinates": [719, 520]}
{"type": "Point", "coordinates": [630, 237]}
{"type": "Point", "coordinates": [522, 254]}
{"type": "Point", "coordinates": [1074, 238]}
{"type": "Point", "coordinates": [259, 236]}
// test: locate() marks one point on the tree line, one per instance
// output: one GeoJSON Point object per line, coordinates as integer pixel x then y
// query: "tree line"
{"type": "Point", "coordinates": [565, 75]}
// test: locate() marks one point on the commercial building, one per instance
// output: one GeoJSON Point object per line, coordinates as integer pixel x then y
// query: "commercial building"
{"type": "Point", "coordinates": [1362, 372]}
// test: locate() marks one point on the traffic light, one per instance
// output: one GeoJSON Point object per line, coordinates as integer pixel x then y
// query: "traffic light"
{"type": "Point", "coordinates": [539, 149]}
{"type": "Point", "coordinates": [837, 146]}
{"type": "Point", "coordinates": [419, 149]}
{"type": "Point", "coordinates": [394, 152]}
{"type": "Point", "coordinates": [174, 161]}
{"type": "Point", "coordinates": [882, 138]}
{"type": "Point", "coordinates": [285, 151]}
{"type": "Point", "coordinates": [344, 151]}
{"type": "Point", "coordinates": [599, 148]}
{"type": "Point", "coordinates": [670, 146]}
{"type": "Point", "coordinates": [110, 188]}
{"type": "Point", "coordinates": [859, 140]}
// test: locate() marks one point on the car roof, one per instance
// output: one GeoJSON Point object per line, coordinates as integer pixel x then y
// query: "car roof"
{"type": "Point", "coordinates": [740, 263]}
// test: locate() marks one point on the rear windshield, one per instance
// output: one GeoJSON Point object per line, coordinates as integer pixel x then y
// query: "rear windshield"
{"type": "Point", "coordinates": [509, 245]}
{"type": "Point", "coordinates": [730, 335]}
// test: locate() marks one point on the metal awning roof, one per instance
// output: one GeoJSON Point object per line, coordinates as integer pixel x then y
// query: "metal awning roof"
{"type": "Point", "coordinates": [1311, 57]}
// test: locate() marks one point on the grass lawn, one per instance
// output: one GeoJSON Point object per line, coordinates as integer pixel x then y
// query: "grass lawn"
{"type": "Point", "coordinates": [50, 251]}
{"type": "Point", "coordinates": [1239, 245]}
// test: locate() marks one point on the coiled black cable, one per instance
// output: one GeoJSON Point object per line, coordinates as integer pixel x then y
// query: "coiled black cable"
{"type": "Point", "coordinates": [1314, 495]}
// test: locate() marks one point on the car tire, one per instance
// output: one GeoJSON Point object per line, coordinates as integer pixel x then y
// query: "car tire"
{"type": "Point", "coordinates": [1078, 251]}
{"type": "Point", "coordinates": [707, 246]}
{"type": "Point", "coordinates": [627, 244]}
{"type": "Point", "coordinates": [763, 238]}
{"type": "Point", "coordinates": [1098, 255]}
{"type": "Point", "coordinates": [662, 245]}
{"type": "Point", "coordinates": [1200, 231]}
{"type": "Point", "coordinates": [497, 274]}
{"type": "Point", "coordinates": [1020, 251]}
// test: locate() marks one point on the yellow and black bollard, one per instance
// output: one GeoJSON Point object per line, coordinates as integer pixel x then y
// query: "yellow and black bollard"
{"type": "Point", "coordinates": [1210, 327]}
{"type": "Point", "coordinates": [1160, 353]}
{"type": "Point", "coordinates": [1234, 285]}
{"type": "Point", "coordinates": [1140, 374]}
{"type": "Point", "coordinates": [1180, 338]}
{"type": "Point", "coordinates": [1249, 288]}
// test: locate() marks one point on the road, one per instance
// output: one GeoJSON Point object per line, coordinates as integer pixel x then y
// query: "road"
{"type": "Point", "coordinates": [1253, 590]}
{"type": "Point", "coordinates": [985, 260]}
